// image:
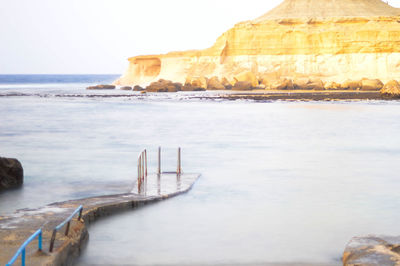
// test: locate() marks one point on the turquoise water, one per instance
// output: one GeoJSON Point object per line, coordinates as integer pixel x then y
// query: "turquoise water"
{"type": "Point", "coordinates": [281, 181]}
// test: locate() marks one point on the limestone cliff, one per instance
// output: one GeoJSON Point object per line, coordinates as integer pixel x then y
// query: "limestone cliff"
{"type": "Point", "coordinates": [334, 40]}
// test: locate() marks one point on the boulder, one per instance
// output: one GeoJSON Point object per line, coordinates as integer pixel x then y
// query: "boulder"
{"type": "Point", "coordinates": [371, 85]}
{"type": "Point", "coordinates": [163, 86]}
{"type": "Point", "coordinates": [332, 86]}
{"type": "Point", "coordinates": [242, 86]}
{"type": "Point", "coordinates": [308, 84]}
{"type": "Point", "coordinates": [267, 79]}
{"type": "Point", "coordinates": [225, 82]}
{"type": "Point", "coordinates": [315, 84]}
{"type": "Point", "coordinates": [284, 84]}
{"type": "Point", "coordinates": [101, 87]}
{"type": "Point", "coordinates": [126, 88]}
{"type": "Point", "coordinates": [392, 89]}
{"type": "Point", "coordinates": [197, 82]}
{"type": "Point", "coordinates": [372, 250]}
{"type": "Point", "coordinates": [351, 85]}
{"type": "Point", "coordinates": [215, 84]}
{"type": "Point", "coordinates": [190, 87]}
{"type": "Point", "coordinates": [178, 86]}
{"type": "Point", "coordinates": [138, 88]}
{"type": "Point", "coordinates": [300, 83]}
{"type": "Point", "coordinates": [11, 173]}
{"type": "Point", "coordinates": [247, 76]}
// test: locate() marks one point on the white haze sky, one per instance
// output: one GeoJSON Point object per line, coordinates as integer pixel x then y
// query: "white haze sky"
{"type": "Point", "coordinates": [97, 36]}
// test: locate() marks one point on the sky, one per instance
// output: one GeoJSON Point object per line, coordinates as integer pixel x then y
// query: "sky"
{"type": "Point", "coordinates": [97, 36]}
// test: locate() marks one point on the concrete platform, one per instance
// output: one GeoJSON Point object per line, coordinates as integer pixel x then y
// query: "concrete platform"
{"type": "Point", "coordinates": [16, 228]}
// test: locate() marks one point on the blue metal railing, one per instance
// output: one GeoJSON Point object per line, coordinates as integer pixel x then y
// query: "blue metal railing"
{"type": "Point", "coordinates": [66, 221]}
{"type": "Point", "coordinates": [21, 250]}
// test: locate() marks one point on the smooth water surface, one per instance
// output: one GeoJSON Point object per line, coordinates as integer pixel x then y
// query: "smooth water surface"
{"type": "Point", "coordinates": [281, 181]}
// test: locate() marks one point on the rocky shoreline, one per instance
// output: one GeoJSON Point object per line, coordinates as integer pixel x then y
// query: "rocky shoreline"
{"type": "Point", "coordinates": [266, 86]}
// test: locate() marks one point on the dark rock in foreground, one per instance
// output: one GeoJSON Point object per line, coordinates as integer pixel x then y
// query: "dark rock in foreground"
{"type": "Point", "coordinates": [101, 87]}
{"type": "Point", "coordinates": [11, 173]}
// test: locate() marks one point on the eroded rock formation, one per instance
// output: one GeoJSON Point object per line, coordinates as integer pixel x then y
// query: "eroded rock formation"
{"type": "Point", "coordinates": [329, 40]}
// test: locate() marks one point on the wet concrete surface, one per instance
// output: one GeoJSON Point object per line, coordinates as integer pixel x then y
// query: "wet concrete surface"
{"type": "Point", "coordinates": [16, 228]}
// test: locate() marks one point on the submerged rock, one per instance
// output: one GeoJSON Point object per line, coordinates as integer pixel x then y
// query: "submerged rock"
{"type": "Point", "coordinates": [11, 173]}
{"type": "Point", "coordinates": [392, 89]}
{"type": "Point", "coordinates": [101, 87]}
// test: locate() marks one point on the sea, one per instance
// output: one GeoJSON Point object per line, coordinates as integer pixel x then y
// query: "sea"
{"type": "Point", "coordinates": [281, 181]}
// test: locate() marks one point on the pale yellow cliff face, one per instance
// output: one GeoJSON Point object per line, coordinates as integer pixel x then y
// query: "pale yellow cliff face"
{"type": "Point", "coordinates": [333, 48]}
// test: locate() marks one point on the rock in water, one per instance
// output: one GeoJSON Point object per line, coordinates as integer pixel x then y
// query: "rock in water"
{"type": "Point", "coordinates": [351, 85]}
{"type": "Point", "coordinates": [329, 40]}
{"type": "Point", "coordinates": [371, 85]}
{"type": "Point", "coordinates": [391, 89]}
{"type": "Point", "coordinates": [11, 173]}
{"type": "Point", "coordinates": [126, 88]}
{"type": "Point", "coordinates": [372, 250]}
{"type": "Point", "coordinates": [215, 84]}
{"type": "Point", "coordinates": [101, 87]}
{"type": "Point", "coordinates": [138, 88]}
{"type": "Point", "coordinates": [247, 76]}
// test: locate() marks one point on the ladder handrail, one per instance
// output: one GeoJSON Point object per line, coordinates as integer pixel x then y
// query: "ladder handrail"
{"type": "Point", "coordinates": [21, 250]}
{"type": "Point", "coordinates": [66, 221]}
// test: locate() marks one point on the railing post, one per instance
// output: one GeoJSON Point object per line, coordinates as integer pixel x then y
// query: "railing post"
{"type": "Point", "coordinates": [138, 169]}
{"type": "Point", "coordinates": [23, 257]}
{"type": "Point", "coordinates": [67, 229]}
{"type": "Point", "coordinates": [53, 238]}
{"type": "Point", "coordinates": [145, 158]}
{"type": "Point", "coordinates": [179, 169]}
{"type": "Point", "coordinates": [40, 240]}
{"type": "Point", "coordinates": [159, 161]}
{"type": "Point", "coordinates": [142, 165]}
{"type": "Point", "coordinates": [80, 215]}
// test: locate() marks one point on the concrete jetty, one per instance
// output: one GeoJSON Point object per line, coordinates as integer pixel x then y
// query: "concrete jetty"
{"type": "Point", "coordinates": [16, 228]}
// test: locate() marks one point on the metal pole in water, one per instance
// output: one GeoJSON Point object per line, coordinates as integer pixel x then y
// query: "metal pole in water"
{"type": "Point", "coordinates": [138, 170]}
{"type": "Point", "coordinates": [179, 170]}
{"type": "Point", "coordinates": [159, 161]}
{"type": "Point", "coordinates": [143, 165]}
{"type": "Point", "coordinates": [145, 157]}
